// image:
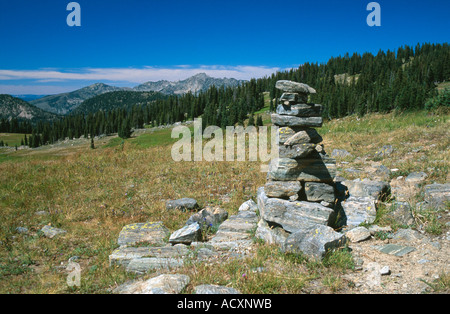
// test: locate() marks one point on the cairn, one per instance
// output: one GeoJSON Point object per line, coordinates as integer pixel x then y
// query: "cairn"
{"type": "Point", "coordinates": [297, 204]}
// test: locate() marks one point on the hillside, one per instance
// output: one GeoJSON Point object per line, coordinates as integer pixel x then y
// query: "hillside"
{"type": "Point", "coordinates": [67, 102]}
{"type": "Point", "coordinates": [116, 100]}
{"type": "Point", "coordinates": [11, 107]}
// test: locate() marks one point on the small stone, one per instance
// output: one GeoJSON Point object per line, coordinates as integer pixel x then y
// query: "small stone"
{"type": "Point", "coordinates": [214, 289]}
{"type": "Point", "coordinates": [208, 217]}
{"type": "Point", "coordinates": [51, 232]}
{"type": "Point", "coordinates": [341, 153]}
{"type": "Point", "coordinates": [386, 150]}
{"type": "Point", "coordinates": [416, 177]}
{"type": "Point", "coordinates": [22, 230]}
{"type": "Point", "coordinates": [187, 234]}
{"type": "Point", "coordinates": [385, 271]}
{"type": "Point", "coordinates": [248, 205]}
{"type": "Point", "coordinates": [182, 204]}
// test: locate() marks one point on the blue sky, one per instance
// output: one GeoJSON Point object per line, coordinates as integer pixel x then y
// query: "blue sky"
{"type": "Point", "coordinates": [125, 43]}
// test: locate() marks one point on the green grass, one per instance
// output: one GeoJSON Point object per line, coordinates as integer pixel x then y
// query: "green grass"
{"type": "Point", "coordinates": [12, 139]}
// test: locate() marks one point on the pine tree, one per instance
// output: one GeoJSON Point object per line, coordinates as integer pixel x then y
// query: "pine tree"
{"type": "Point", "coordinates": [92, 143]}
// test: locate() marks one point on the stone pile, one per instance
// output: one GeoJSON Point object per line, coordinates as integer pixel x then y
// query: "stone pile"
{"type": "Point", "coordinates": [297, 204]}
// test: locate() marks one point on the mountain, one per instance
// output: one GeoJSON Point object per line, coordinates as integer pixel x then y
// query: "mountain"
{"type": "Point", "coordinates": [197, 83]}
{"type": "Point", "coordinates": [12, 107]}
{"type": "Point", "coordinates": [28, 97]}
{"type": "Point", "coordinates": [119, 99]}
{"type": "Point", "coordinates": [67, 102]}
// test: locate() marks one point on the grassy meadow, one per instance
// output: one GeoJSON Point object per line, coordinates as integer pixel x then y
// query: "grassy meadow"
{"type": "Point", "coordinates": [93, 193]}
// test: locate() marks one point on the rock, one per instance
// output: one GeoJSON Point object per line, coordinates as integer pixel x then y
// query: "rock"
{"type": "Point", "coordinates": [150, 232]}
{"type": "Point", "coordinates": [437, 195]}
{"type": "Point", "coordinates": [234, 233]}
{"type": "Point", "coordinates": [293, 98]}
{"type": "Point", "coordinates": [182, 204]}
{"type": "Point", "coordinates": [292, 121]}
{"type": "Point", "coordinates": [271, 234]}
{"type": "Point", "coordinates": [382, 172]}
{"type": "Point", "coordinates": [295, 135]}
{"type": "Point", "coordinates": [373, 278]}
{"type": "Point", "coordinates": [318, 192]}
{"type": "Point", "coordinates": [314, 241]}
{"type": "Point", "coordinates": [214, 289]}
{"type": "Point", "coordinates": [402, 214]}
{"type": "Point", "coordinates": [386, 150]}
{"type": "Point", "coordinates": [249, 205]}
{"type": "Point", "coordinates": [51, 232]}
{"type": "Point", "coordinates": [22, 230]}
{"type": "Point", "coordinates": [385, 271]}
{"type": "Point", "coordinates": [394, 249]}
{"type": "Point", "coordinates": [282, 189]}
{"type": "Point", "coordinates": [293, 216]}
{"type": "Point", "coordinates": [374, 229]}
{"type": "Point", "coordinates": [341, 153]}
{"type": "Point", "coordinates": [316, 168]}
{"type": "Point", "coordinates": [296, 151]}
{"type": "Point", "coordinates": [358, 234]}
{"type": "Point", "coordinates": [377, 190]}
{"type": "Point", "coordinates": [359, 210]}
{"type": "Point", "coordinates": [163, 284]}
{"type": "Point", "coordinates": [416, 177]}
{"type": "Point", "coordinates": [124, 255]}
{"type": "Point", "coordinates": [208, 217]}
{"type": "Point", "coordinates": [300, 110]}
{"type": "Point", "coordinates": [186, 235]}
{"type": "Point", "coordinates": [146, 264]}
{"type": "Point", "coordinates": [407, 235]}
{"type": "Point", "coordinates": [294, 87]}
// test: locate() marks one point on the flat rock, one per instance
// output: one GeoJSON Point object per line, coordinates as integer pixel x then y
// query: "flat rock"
{"type": "Point", "coordinates": [402, 213]}
{"type": "Point", "coordinates": [214, 289]}
{"type": "Point", "coordinates": [358, 234]}
{"type": "Point", "coordinates": [163, 284]}
{"type": "Point", "coordinates": [51, 232]}
{"type": "Point", "coordinates": [124, 255]}
{"type": "Point", "coordinates": [292, 121]}
{"type": "Point", "coordinates": [416, 177]}
{"type": "Point", "coordinates": [292, 216]}
{"type": "Point", "coordinates": [182, 204]}
{"type": "Point", "coordinates": [297, 150]}
{"type": "Point", "coordinates": [150, 232]}
{"type": "Point", "coordinates": [296, 135]}
{"type": "Point", "coordinates": [359, 210]}
{"type": "Point", "coordinates": [293, 98]}
{"type": "Point", "coordinates": [300, 110]}
{"type": "Point", "coordinates": [315, 168]}
{"type": "Point", "coordinates": [146, 264]}
{"type": "Point", "coordinates": [282, 189]}
{"type": "Point", "coordinates": [384, 151]}
{"type": "Point", "coordinates": [395, 249]}
{"type": "Point", "coordinates": [186, 235]}
{"type": "Point", "coordinates": [318, 192]}
{"type": "Point", "coordinates": [294, 87]}
{"type": "Point", "coordinates": [314, 241]}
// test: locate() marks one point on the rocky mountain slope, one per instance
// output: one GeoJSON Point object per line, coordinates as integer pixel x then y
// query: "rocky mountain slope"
{"type": "Point", "coordinates": [12, 107]}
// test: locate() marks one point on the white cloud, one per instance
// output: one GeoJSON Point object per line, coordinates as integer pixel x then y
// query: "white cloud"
{"type": "Point", "coordinates": [136, 75]}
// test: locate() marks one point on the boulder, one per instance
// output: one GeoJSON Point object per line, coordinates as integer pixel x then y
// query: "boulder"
{"type": "Point", "coordinates": [358, 234]}
{"type": "Point", "coordinates": [300, 110]}
{"type": "Point", "coordinates": [318, 192]}
{"type": "Point", "coordinates": [314, 241]}
{"type": "Point", "coordinates": [296, 151]}
{"type": "Point", "coordinates": [294, 87]}
{"type": "Point", "coordinates": [292, 121]}
{"type": "Point", "coordinates": [150, 232]}
{"type": "Point", "coordinates": [163, 284]}
{"type": "Point", "coordinates": [208, 217]}
{"type": "Point", "coordinates": [282, 189]}
{"type": "Point", "coordinates": [292, 216]}
{"type": "Point", "coordinates": [186, 235]}
{"type": "Point", "coordinates": [182, 204]}
{"type": "Point", "coordinates": [315, 168]}
{"type": "Point", "coordinates": [358, 210]}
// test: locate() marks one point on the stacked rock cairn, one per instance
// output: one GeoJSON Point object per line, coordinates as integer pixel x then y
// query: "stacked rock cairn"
{"type": "Point", "coordinates": [297, 204]}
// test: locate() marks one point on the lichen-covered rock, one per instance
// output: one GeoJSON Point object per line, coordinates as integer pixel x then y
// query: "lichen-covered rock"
{"type": "Point", "coordinates": [293, 121]}
{"type": "Point", "coordinates": [150, 232]}
{"type": "Point", "coordinates": [51, 232]}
